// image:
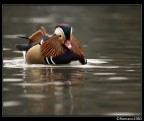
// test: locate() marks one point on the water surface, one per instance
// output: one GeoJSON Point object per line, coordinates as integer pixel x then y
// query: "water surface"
{"type": "Point", "coordinates": [109, 85]}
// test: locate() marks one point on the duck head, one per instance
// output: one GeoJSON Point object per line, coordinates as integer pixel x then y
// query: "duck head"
{"type": "Point", "coordinates": [64, 32]}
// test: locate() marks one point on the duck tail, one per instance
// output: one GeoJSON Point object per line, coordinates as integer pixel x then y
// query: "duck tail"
{"type": "Point", "coordinates": [35, 37]}
{"type": "Point", "coordinates": [23, 37]}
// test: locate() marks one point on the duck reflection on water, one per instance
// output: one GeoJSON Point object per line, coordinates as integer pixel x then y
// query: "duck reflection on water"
{"type": "Point", "coordinates": [49, 90]}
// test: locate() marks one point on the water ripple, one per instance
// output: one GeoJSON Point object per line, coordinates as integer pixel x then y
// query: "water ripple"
{"type": "Point", "coordinates": [12, 80]}
{"type": "Point", "coordinates": [117, 78]}
{"type": "Point", "coordinates": [12, 36]}
{"type": "Point", "coordinates": [56, 83]}
{"type": "Point", "coordinates": [5, 49]}
{"type": "Point", "coordinates": [104, 73]}
{"type": "Point", "coordinates": [34, 20]}
{"type": "Point", "coordinates": [11, 103]}
{"type": "Point", "coordinates": [92, 63]}
{"type": "Point", "coordinates": [33, 96]}
{"type": "Point", "coordinates": [115, 92]}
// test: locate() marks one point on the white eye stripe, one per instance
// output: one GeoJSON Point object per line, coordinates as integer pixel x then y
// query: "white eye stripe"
{"type": "Point", "coordinates": [59, 31]}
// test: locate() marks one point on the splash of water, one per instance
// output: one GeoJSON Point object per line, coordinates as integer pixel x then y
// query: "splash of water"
{"type": "Point", "coordinates": [92, 63]}
{"type": "Point", "coordinates": [24, 54]}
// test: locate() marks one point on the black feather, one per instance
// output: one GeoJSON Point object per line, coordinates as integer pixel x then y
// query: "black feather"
{"type": "Point", "coordinates": [23, 37]}
{"type": "Point", "coordinates": [68, 57]}
{"type": "Point", "coordinates": [21, 47]}
{"type": "Point", "coordinates": [24, 47]}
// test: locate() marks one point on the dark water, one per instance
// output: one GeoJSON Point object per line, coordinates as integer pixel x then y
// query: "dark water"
{"type": "Point", "coordinates": [110, 84]}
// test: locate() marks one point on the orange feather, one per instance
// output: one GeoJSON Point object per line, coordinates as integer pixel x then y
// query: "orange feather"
{"type": "Point", "coordinates": [37, 36]}
{"type": "Point", "coordinates": [52, 47]}
{"type": "Point", "coordinates": [55, 46]}
{"type": "Point", "coordinates": [76, 47]}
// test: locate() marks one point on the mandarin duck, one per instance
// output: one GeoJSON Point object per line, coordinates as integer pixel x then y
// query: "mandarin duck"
{"type": "Point", "coordinates": [61, 48]}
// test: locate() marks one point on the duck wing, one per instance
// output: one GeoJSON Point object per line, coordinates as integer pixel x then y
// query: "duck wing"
{"type": "Point", "coordinates": [55, 52]}
{"type": "Point", "coordinates": [53, 47]}
{"type": "Point", "coordinates": [76, 47]}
